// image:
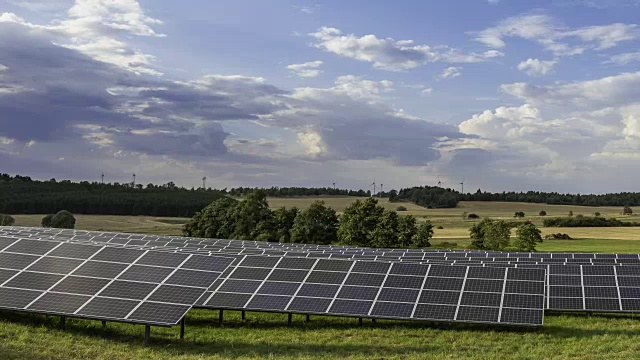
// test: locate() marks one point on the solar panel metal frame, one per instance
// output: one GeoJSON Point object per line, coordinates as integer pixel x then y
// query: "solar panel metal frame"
{"type": "Point", "coordinates": [46, 298]}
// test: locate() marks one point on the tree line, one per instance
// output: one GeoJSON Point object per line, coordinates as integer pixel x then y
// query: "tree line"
{"type": "Point", "coordinates": [363, 223]}
{"type": "Point", "coordinates": [22, 195]}
{"type": "Point", "coordinates": [298, 191]}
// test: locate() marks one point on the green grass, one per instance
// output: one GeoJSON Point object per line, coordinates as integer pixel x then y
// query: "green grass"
{"type": "Point", "coordinates": [574, 336]}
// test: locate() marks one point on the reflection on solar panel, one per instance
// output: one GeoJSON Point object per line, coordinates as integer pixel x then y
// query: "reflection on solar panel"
{"type": "Point", "coordinates": [381, 290]}
{"type": "Point", "coordinates": [99, 282]}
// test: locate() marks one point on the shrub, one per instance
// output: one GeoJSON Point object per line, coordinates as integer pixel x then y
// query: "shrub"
{"type": "Point", "coordinates": [597, 214]}
{"type": "Point", "coordinates": [570, 213]}
{"type": "Point", "coordinates": [627, 210]}
{"type": "Point", "coordinates": [46, 221]}
{"type": "Point", "coordinates": [542, 213]}
{"type": "Point", "coordinates": [401, 208]}
{"type": "Point", "coordinates": [7, 220]}
{"type": "Point", "coordinates": [585, 221]}
{"type": "Point", "coordinates": [63, 220]}
{"type": "Point", "coordinates": [518, 214]}
{"type": "Point", "coordinates": [558, 236]}
{"type": "Point", "coordinates": [473, 216]}
{"type": "Point", "coordinates": [440, 227]}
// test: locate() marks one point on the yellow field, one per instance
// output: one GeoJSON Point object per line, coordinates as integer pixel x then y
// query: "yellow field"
{"type": "Point", "coordinates": [455, 229]}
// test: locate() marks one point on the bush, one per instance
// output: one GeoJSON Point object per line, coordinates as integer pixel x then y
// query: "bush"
{"type": "Point", "coordinates": [401, 208]}
{"type": "Point", "coordinates": [473, 216]}
{"type": "Point", "coordinates": [46, 221]}
{"type": "Point", "coordinates": [585, 221]}
{"type": "Point", "coordinates": [518, 214]}
{"type": "Point", "coordinates": [597, 214]}
{"type": "Point", "coordinates": [63, 220]}
{"type": "Point", "coordinates": [558, 236]}
{"type": "Point", "coordinates": [490, 234]}
{"type": "Point", "coordinates": [570, 213]}
{"type": "Point", "coordinates": [627, 210]}
{"type": "Point", "coordinates": [7, 220]}
{"type": "Point", "coordinates": [542, 213]}
{"type": "Point", "coordinates": [440, 227]}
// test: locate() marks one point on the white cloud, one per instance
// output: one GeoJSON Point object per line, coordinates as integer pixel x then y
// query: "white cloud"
{"type": "Point", "coordinates": [553, 36]}
{"type": "Point", "coordinates": [426, 91]}
{"type": "Point", "coordinates": [623, 59]}
{"type": "Point", "coordinates": [390, 54]}
{"type": "Point", "coordinates": [450, 73]}
{"type": "Point", "coordinates": [306, 70]}
{"type": "Point", "coordinates": [493, 2]}
{"type": "Point", "coordinates": [535, 67]}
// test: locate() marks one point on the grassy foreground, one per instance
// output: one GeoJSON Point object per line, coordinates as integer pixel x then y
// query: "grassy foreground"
{"type": "Point", "coordinates": [575, 336]}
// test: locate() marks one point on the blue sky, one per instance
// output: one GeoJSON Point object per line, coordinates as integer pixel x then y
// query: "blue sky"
{"type": "Point", "coordinates": [510, 95]}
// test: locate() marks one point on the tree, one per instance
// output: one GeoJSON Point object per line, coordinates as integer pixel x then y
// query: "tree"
{"type": "Point", "coordinates": [490, 234]}
{"type": "Point", "coordinates": [358, 221]}
{"type": "Point", "coordinates": [7, 220]}
{"type": "Point", "coordinates": [385, 234]}
{"type": "Point", "coordinates": [214, 221]}
{"type": "Point", "coordinates": [316, 224]}
{"type": "Point", "coordinates": [627, 210]}
{"type": "Point", "coordinates": [401, 208]}
{"type": "Point", "coordinates": [284, 219]}
{"type": "Point", "coordinates": [543, 213]}
{"type": "Point", "coordinates": [570, 213]}
{"type": "Point", "coordinates": [253, 219]}
{"type": "Point", "coordinates": [423, 235]}
{"type": "Point", "coordinates": [46, 221]}
{"type": "Point", "coordinates": [518, 214]}
{"type": "Point", "coordinates": [527, 236]}
{"type": "Point", "coordinates": [63, 220]}
{"type": "Point", "coordinates": [496, 235]}
{"type": "Point", "coordinates": [596, 214]}
{"type": "Point", "coordinates": [406, 231]}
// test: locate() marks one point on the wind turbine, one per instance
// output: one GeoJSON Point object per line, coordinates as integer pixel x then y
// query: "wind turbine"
{"type": "Point", "coordinates": [102, 178]}
{"type": "Point", "coordinates": [462, 185]}
{"type": "Point", "coordinates": [381, 186]}
{"type": "Point", "coordinates": [204, 182]}
{"type": "Point", "coordinates": [134, 180]}
{"type": "Point", "coordinates": [374, 188]}
{"type": "Point", "coordinates": [334, 186]}
{"type": "Point", "coordinates": [439, 182]}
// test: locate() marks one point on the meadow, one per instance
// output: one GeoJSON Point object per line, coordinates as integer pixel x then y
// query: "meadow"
{"type": "Point", "coordinates": [263, 335]}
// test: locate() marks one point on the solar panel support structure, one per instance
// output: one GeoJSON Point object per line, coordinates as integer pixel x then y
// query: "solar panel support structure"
{"type": "Point", "coordinates": [104, 324]}
{"type": "Point", "coordinates": [182, 322]}
{"type": "Point", "coordinates": [63, 323]}
{"type": "Point", "coordinates": [289, 319]}
{"type": "Point", "coordinates": [221, 316]}
{"type": "Point", "coordinates": [308, 318]}
{"type": "Point", "coordinates": [243, 315]}
{"type": "Point", "coordinates": [360, 321]}
{"type": "Point", "coordinates": [147, 334]}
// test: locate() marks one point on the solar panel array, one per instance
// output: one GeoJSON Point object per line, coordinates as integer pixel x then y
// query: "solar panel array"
{"type": "Point", "coordinates": [610, 287]}
{"type": "Point", "coordinates": [382, 290]}
{"type": "Point", "coordinates": [101, 282]}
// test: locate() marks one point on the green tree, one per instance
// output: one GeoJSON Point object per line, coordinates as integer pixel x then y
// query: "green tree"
{"type": "Point", "coordinates": [46, 221]}
{"type": "Point", "coordinates": [627, 210]}
{"type": "Point", "coordinates": [63, 220]}
{"type": "Point", "coordinates": [214, 221]}
{"type": "Point", "coordinates": [284, 219]}
{"type": "Point", "coordinates": [406, 231]}
{"type": "Point", "coordinates": [253, 219]}
{"type": "Point", "coordinates": [7, 220]}
{"type": "Point", "coordinates": [358, 221]}
{"type": "Point", "coordinates": [423, 235]}
{"type": "Point", "coordinates": [496, 235]}
{"type": "Point", "coordinates": [316, 224]}
{"type": "Point", "coordinates": [527, 236]}
{"type": "Point", "coordinates": [385, 234]}
{"type": "Point", "coordinates": [490, 234]}
{"type": "Point", "coordinates": [542, 213]}
{"type": "Point", "coordinates": [518, 214]}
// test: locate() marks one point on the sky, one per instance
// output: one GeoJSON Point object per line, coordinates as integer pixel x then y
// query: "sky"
{"type": "Point", "coordinates": [499, 94]}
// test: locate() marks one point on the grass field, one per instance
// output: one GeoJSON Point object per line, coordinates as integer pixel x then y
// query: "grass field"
{"type": "Point", "coordinates": [564, 336]}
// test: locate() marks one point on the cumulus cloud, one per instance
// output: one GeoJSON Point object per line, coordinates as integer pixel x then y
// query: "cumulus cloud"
{"type": "Point", "coordinates": [426, 92]}
{"type": "Point", "coordinates": [555, 36]}
{"type": "Point", "coordinates": [535, 67]}
{"type": "Point", "coordinates": [624, 58]}
{"type": "Point", "coordinates": [390, 54]}
{"type": "Point", "coordinates": [450, 73]}
{"type": "Point", "coordinates": [306, 70]}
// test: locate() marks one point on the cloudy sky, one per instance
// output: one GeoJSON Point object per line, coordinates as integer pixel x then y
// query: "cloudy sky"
{"type": "Point", "coordinates": [510, 95]}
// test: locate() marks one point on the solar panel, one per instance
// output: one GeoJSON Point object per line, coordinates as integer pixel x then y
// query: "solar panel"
{"type": "Point", "coordinates": [100, 282]}
{"type": "Point", "coordinates": [382, 290]}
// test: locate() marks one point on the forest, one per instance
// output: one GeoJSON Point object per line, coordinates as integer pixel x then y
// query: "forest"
{"type": "Point", "coordinates": [23, 195]}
